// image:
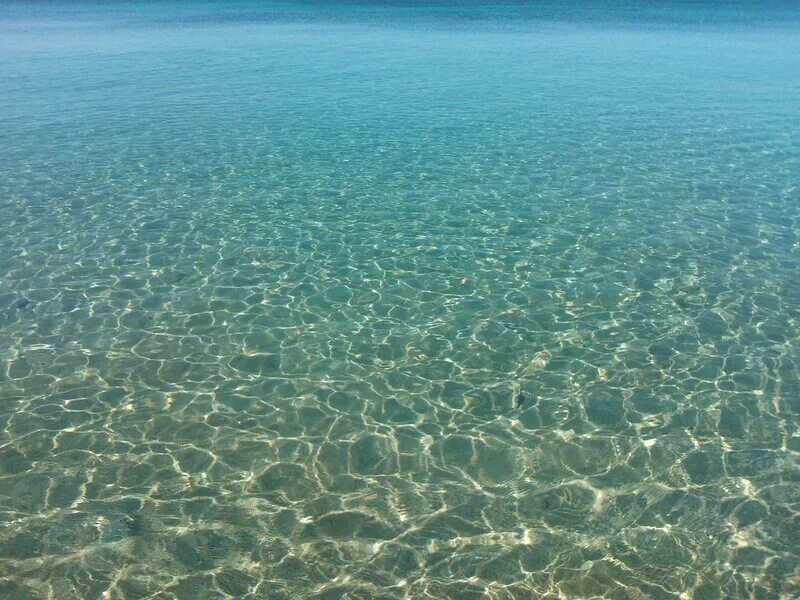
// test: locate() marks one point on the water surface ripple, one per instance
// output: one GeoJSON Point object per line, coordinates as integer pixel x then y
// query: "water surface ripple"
{"type": "Point", "coordinates": [399, 301]}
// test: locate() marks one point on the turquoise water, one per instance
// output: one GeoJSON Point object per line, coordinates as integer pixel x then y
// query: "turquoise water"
{"type": "Point", "coordinates": [305, 300]}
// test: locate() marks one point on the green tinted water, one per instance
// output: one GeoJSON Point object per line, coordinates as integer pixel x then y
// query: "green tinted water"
{"type": "Point", "coordinates": [399, 302]}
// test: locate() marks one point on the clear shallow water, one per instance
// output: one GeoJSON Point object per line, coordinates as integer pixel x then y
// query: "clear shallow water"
{"type": "Point", "coordinates": [399, 301]}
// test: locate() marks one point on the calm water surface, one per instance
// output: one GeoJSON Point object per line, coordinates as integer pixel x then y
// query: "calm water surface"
{"type": "Point", "coordinates": [324, 300]}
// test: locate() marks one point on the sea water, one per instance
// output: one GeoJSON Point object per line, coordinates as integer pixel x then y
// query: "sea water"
{"type": "Point", "coordinates": [399, 300]}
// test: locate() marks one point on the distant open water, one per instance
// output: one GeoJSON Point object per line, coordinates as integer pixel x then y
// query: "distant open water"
{"type": "Point", "coordinates": [399, 300]}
